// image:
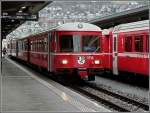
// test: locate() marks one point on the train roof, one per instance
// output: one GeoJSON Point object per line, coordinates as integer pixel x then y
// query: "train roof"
{"type": "Point", "coordinates": [134, 26]}
{"type": "Point", "coordinates": [78, 26]}
{"type": "Point", "coordinates": [107, 31]}
{"type": "Point", "coordinates": [74, 26]}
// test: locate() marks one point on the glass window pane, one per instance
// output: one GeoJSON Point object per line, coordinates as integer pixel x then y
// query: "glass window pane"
{"type": "Point", "coordinates": [91, 43]}
{"type": "Point", "coordinates": [128, 43]}
{"type": "Point", "coordinates": [66, 43]}
{"type": "Point", "coordinates": [138, 43]}
{"type": "Point", "coordinates": [115, 44]}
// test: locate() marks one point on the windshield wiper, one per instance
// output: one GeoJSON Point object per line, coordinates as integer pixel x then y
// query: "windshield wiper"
{"type": "Point", "coordinates": [97, 49]}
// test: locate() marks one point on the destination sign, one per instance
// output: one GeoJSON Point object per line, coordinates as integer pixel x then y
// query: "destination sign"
{"type": "Point", "coordinates": [21, 16]}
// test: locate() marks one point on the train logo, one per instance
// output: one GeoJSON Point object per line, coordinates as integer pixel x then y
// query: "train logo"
{"type": "Point", "coordinates": [81, 60]}
{"type": "Point", "coordinates": [80, 26]}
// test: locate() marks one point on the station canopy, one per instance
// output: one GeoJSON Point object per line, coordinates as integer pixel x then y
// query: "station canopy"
{"type": "Point", "coordinates": [15, 13]}
{"type": "Point", "coordinates": [104, 14]}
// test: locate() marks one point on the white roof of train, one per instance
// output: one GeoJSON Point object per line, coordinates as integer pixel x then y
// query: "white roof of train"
{"type": "Point", "coordinates": [134, 26]}
{"type": "Point", "coordinates": [78, 26]}
{"type": "Point", "coordinates": [74, 26]}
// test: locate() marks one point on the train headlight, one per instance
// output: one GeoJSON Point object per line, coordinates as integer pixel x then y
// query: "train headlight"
{"type": "Point", "coordinates": [64, 61]}
{"type": "Point", "coordinates": [96, 62]}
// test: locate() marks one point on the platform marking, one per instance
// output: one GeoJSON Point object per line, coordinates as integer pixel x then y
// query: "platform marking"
{"type": "Point", "coordinates": [60, 93]}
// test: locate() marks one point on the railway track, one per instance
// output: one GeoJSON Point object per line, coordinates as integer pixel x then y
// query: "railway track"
{"type": "Point", "coordinates": [111, 99]}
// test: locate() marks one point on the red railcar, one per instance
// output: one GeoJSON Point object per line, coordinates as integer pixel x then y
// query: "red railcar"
{"type": "Point", "coordinates": [129, 47]}
{"type": "Point", "coordinates": [72, 48]}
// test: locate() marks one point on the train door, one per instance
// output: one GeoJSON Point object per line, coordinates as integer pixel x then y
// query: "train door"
{"type": "Point", "coordinates": [49, 52]}
{"type": "Point", "coordinates": [115, 55]}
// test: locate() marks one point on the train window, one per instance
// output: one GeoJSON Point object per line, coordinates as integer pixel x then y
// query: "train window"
{"type": "Point", "coordinates": [39, 45]}
{"type": "Point", "coordinates": [115, 44]}
{"type": "Point", "coordinates": [26, 46]}
{"type": "Point", "coordinates": [39, 49]}
{"type": "Point", "coordinates": [21, 45]}
{"type": "Point", "coordinates": [42, 45]}
{"type": "Point", "coordinates": [31, 46]}
{"type": "Point", "coordinates": [18, 45]}
{"type": "Point", "coordinates": [8, 46]}
{"type": "Point", "coordinates": [128, 43]}
{"type": "Point", "coordinates": [34, 42]}
{"type": "Point", "coordinates": [36, 45]}
{"type": "Point", "coordinates": [66, 43]}
{"type": "Point", "coordinates": [147, 43]}
{"type": "Point", "coordinates": [138, 43]}
{"type": "Point", "coordinates": [91, 43]}
{"type": "Point", "coordinates": [45, 44]}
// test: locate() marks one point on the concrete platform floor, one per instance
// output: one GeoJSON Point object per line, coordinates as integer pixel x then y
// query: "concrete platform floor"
{"type": "Point", "coordinates": [23, 90]}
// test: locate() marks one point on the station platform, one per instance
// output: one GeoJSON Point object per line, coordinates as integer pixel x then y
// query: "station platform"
{"type": "Point", "coordinates": [23, 90]}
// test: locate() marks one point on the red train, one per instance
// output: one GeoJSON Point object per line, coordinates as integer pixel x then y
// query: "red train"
{"type": "Point", "coordinates": [72, 49]}
{"type": "Point", "coordinates": [127, 47]}
{"type": "Point", "coordinates": [84, 49]}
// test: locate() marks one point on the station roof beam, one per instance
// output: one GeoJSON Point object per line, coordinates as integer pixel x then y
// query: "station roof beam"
{"type": "Point", "coordinates": [133, 15]}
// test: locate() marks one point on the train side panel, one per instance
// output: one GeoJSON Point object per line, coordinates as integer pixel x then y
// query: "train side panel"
{"type": "Point", "coordinates": [38, 52]}
{"type": "Point", "coordinates": [132, 52]}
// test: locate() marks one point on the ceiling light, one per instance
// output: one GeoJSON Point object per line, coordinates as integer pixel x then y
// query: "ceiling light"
{"type": "Point", "coordinates": [23, 7]}
{"type": "Point", "coordinates": [20, 11]}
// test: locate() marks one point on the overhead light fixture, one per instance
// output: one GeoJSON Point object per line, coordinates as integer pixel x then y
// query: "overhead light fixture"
{"type": "Point", "coordinates": [20, 11]}
{"type": "Point", "coordinates": [23, 7]}
{"type": "Point", "coordinates": [12, 20]}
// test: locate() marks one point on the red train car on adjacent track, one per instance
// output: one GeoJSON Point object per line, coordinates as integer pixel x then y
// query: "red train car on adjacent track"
{"type": "Point", "coordinates": [129, 47]}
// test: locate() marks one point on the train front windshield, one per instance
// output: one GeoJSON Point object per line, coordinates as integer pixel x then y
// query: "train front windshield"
{"type": "Point", "coordinates": [90, 43]}
{"type": "Point", "coordinates": [77, 43]}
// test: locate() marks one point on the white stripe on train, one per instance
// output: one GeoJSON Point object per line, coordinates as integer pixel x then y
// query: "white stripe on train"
{"type": "Point", "coordinates": [128, 54]}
